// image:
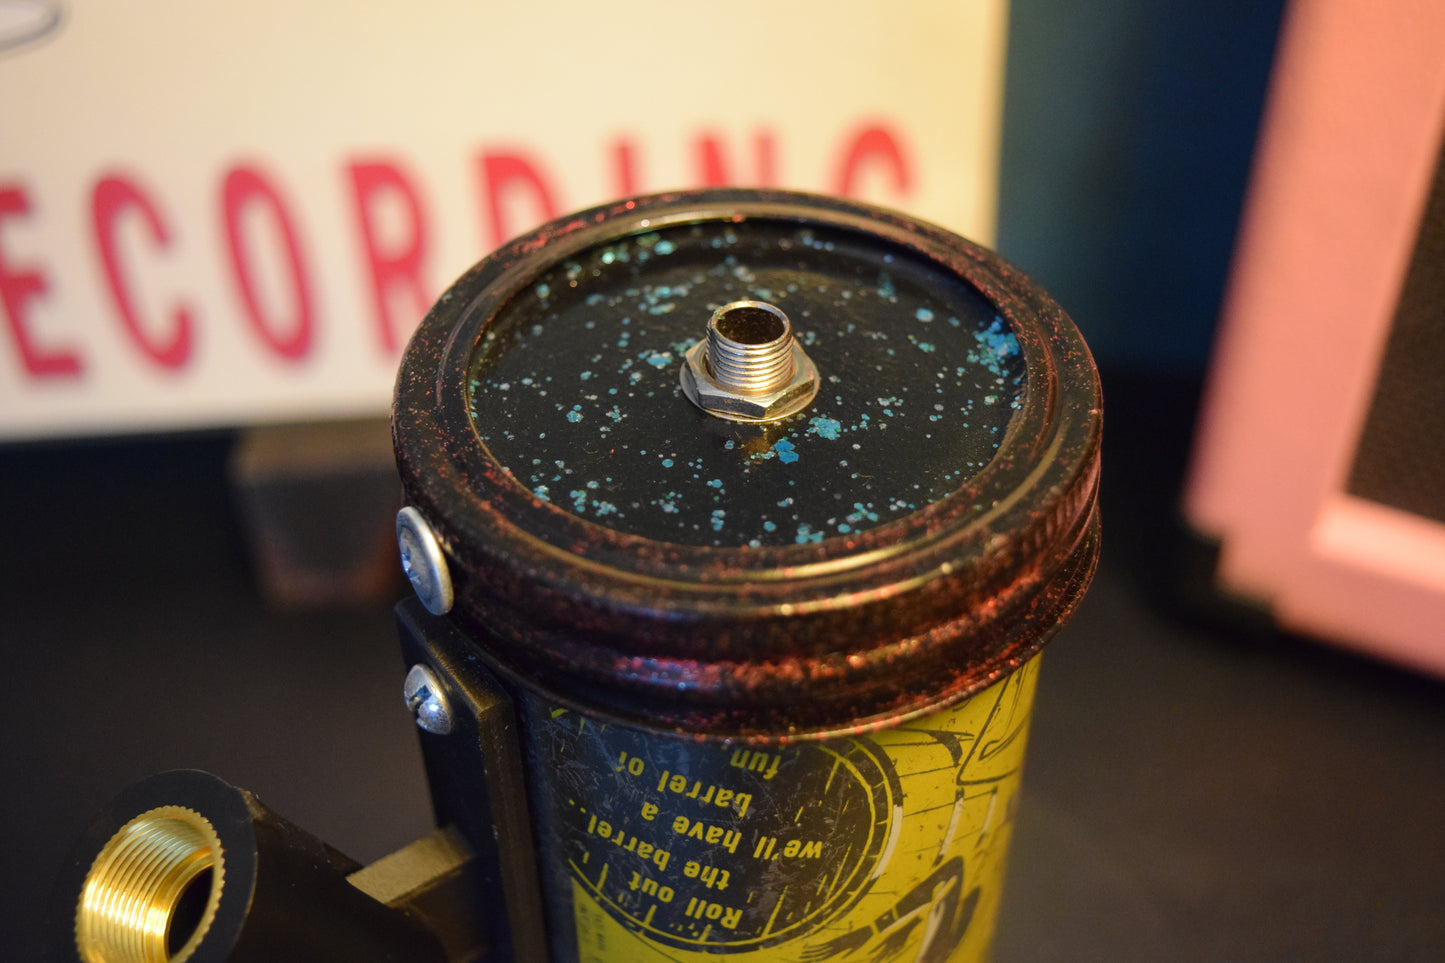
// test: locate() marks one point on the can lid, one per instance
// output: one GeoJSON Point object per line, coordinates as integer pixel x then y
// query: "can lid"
{"type": "Point", "coordinates": [888, 505]}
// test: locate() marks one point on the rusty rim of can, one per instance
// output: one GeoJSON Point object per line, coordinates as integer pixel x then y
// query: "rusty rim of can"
{"type": "Point", "coordinates": [777, 642]}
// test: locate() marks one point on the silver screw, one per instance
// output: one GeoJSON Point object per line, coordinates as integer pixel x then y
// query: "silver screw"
{"type": "Point", "coordinates": [423, 695]}
{"type": "Point", "coordinates": [423, 562]}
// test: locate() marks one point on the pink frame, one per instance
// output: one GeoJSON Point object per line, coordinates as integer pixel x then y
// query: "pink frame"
{"type": "Point", "coordinates": [1351, 135]}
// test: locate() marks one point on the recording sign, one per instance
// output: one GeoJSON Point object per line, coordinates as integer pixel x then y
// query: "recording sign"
{"type": "Point", "coordinates": [238, 214]}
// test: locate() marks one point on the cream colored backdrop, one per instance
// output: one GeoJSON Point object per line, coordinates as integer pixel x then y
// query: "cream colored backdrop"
{"type": "Point", "coordinates": [230, 213]}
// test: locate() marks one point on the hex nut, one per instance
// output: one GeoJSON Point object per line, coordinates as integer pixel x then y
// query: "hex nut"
{"type": "Point", "coordinates": [703, 390]}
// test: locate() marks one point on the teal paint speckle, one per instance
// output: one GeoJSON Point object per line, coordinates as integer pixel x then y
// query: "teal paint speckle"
{"type": "Point", "coordinates": [996, 346]}
{"type": "Point", "coordinates": [924, 315]}
{"type": "Point", "coordinates": [825, 427]}
{"type": "Point", "coordinates": [784, 449]}
{"type": "Point", "coordinates": [862, 512]}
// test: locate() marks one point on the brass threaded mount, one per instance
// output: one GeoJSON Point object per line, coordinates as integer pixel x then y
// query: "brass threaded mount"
{"type": "Point", "coordinates": [136, 887]}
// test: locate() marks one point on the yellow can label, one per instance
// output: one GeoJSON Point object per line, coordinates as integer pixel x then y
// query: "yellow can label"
{"type": "Point", "coordinates": [875, 848]}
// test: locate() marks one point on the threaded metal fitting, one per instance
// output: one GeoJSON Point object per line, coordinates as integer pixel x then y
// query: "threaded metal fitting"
{"type": "Point", "coordinates": [750, 367]}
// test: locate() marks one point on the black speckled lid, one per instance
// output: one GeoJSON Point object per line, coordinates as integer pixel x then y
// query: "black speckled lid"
{"type": "Point", "coordinates": [630, 553]}
{"type": "Point", "coordinates": [575, 386]}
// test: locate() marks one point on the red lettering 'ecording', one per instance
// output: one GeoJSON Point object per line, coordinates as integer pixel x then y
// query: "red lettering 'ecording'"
{"type": "Point", "coordinates": [397, 258]}
{"type": "Point", "coordinates": [507, 179]}
{"type": "Point", "coordinates": [114, 197]}
{"type": "Point", "coordinates": [624, 167]}
{"type": "Point", "coordinates": [245, 187]}
{"type": "Point", "coordinates": [714, 171]}
{"type": "Point", "coordinates": [18, 287]}
{"type": "Point", "coordinates": [868, 148]}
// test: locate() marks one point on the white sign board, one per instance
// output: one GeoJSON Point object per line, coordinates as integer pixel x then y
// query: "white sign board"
{"type": "Point", "coordinates": [219, 214]}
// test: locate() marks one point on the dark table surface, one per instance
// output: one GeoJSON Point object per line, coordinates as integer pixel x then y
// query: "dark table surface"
{"type": "Point", "coordinates": [1195, 791]}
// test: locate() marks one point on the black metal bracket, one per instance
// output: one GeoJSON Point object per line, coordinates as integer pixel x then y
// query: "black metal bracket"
{"type": "Point", "coordinates": [477, 784]}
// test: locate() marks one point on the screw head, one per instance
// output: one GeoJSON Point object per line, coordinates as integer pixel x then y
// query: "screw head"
{"type": "Point", "coordinates": [423, 695]}
{"type": "Point", "coordinates": [423, 561]}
